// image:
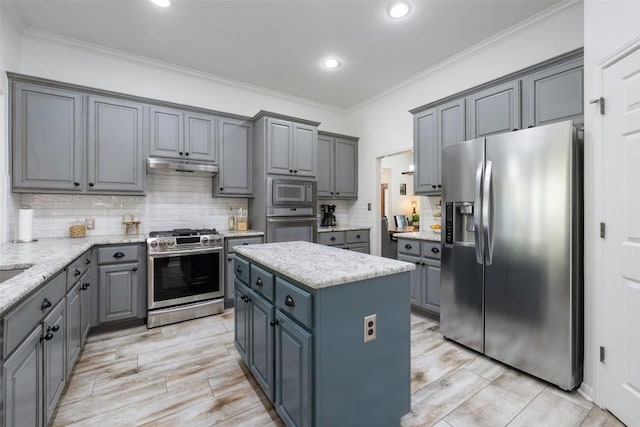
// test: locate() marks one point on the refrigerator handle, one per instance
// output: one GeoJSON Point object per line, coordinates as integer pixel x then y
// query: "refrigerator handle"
{"type": "Point", "coordinates": [477, 212]}
{"type": "Point", "coordinates": [486, 213]}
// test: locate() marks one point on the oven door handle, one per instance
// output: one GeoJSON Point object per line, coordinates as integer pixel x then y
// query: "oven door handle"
{"type": "Point", "coordinates": [186, 252]}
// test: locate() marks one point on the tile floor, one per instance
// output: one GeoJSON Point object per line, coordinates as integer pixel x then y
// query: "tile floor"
{"type": "Point", "coordinates": [189, 374]}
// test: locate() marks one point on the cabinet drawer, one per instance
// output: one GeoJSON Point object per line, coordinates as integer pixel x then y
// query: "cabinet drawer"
{"type": "Point", "coordinates": [331, 238]}
{"type": "Point", "coordinates": [19, 322]}
{"type": "Point", "coordinates": [262, 282]}
{"type": "Point", "coordinates": [111, 254]}
{"type": "Point", "coordinates": [232, 243]}
{"type": "Point", "coordinates": [77, 268]}
{"type": "Point", "coordinates": [294, 301]}
{"type": "Point", "coordinates": [358, 236]}
{"type": "Point", "coordinates": [241, 270]}
{"type": "Point", "coordinates": [431, 250]}
{"type": "Point", "coordinates": [410, 247]}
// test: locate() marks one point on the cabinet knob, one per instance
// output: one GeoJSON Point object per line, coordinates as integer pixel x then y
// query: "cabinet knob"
{"type": "Point", "coordinates": [91, 184]}
{"type": "Point", "coordinates": [357, 236]}
{"type": "Point", "coordinates": [77, 273]}
{"type": "Point", "coordinates": [423, 263]}
{"type": "Point", "coordinates": [435, 250]}
{"type": "Point", "coordinates": [45, 304]}
{"type": "Point", "coordinates": [85, 286]}
{"type": "Point", "coordinates": [87, 261]}
{"type": "Point", "coordinates": [259, 281]}
{"type": "Point", "coordinates": [48, 336]}
{"type": "Point", "coordinates": [229, 258]}
{"type": "Point", "coordinates": [295, 171]}
{"type": "Point", "coordinates": [239, 269]}
{"type": "Point", "coordinates": [515, 129]}
{"type": "Point", "coordinates": [221, 188]}
{"type": "Point", "coordinates": [530, 126]}
{"type": "Point", "coordinates": [408, 246]}
{"type": "Point", "coordinates": [186, 154]}
{"type": "Point", "coordinates": [337, 194]}
{"type": "Point", "coordinates": [417, 262]}
{"type": "Point", "coordinates": [332, 238]}
{"type": "Point", "coordinates": [180, 153]}
{"type": "Point", "coordinates": [55, 328]}
{"type": "Point", "coordinates": [332, 193]}
{"type": "Point", "coordinates": [274, 322]}
{"type": "Point", "coordinates": [77, 184]}
{"type": "Point", "coordinates": [433, 186]}
{"type": "Point", "coordinates": [288, 301]}
{"type": "Point", "coordinates": [439, 186]}
{"type": "Point", "coordinates": [134, 269]}
{"type": "Point", "coordinates": [118, 255]}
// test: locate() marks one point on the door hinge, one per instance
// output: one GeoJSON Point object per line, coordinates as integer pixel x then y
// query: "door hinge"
{"type": "Point", "coordinates": [602, 354]}
{"type": "Point", "coordinates": [603, 230]}
{"type": "Point", "coordinates": [599, 101]}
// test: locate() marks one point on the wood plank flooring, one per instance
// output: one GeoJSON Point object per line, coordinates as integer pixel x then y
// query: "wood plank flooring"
{"type": "Point", "coordinates": [189, 374]}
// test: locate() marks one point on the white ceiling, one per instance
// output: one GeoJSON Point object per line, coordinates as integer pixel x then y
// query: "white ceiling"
{"type": "Point", "coordinates": [279, 45]}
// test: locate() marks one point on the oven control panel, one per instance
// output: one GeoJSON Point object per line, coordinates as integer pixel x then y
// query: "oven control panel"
{"type": "Point", "coordinates": [165, 243]}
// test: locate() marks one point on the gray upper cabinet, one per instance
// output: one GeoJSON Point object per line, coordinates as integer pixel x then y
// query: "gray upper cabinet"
{"type": "Point", "coordinates": [494, 110]}
{"type": "Point", "coordinates": [115, 146]}
{"type": "Point", "coordinates": [434, 129]}
{"type": "Point", "coordinates": [337, 166]}
{"type": "Point", "coordinates": [235, 177]}
{"type": "Point", "coordinates": [47, 138]}
{"type": "Point", "coordinates": [554, 94]}
{"type": "Point", "coordinates": [182, 134]}
{"type": "Point", "coordinates": [291, 148]}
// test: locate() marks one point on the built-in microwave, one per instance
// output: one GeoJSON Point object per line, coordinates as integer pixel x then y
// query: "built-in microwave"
{"type": "Point", "coordinates": [290, 197]}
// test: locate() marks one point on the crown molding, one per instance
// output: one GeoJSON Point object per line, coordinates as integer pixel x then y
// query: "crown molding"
{"type": "Point", "coordinates": [467, 52]}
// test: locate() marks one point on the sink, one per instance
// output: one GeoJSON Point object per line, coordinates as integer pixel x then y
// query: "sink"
{"type": "Point", "coordinates": [9, 272]}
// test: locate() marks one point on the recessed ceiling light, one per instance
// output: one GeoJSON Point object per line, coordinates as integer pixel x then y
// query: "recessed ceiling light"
{"type": "Point", "coordinates": [331, 63]}
{"type": "Point", "coordinates": [398, 9]}
{"type": "Point", "coordinates": [161, 3]}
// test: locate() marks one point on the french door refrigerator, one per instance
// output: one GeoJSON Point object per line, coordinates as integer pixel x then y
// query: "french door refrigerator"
{"type": "Point", "coordinates": [511, 284]}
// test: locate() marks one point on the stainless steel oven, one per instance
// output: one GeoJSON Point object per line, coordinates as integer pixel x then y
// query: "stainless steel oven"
{"type": "Point", "coordinates": [185, 276]}
{"type": "Point", "coordinates": [286, 229]}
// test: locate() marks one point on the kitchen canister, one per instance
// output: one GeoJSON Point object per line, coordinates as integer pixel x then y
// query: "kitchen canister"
{"type": "Point", "coordinates": [25, 224]}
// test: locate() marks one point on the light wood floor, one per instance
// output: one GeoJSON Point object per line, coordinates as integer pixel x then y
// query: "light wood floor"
{"type": "Point", "coordinates": [190, 374]}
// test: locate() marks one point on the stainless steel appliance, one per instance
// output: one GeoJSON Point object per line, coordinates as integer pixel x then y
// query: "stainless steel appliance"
{"type": "Point", "coordinates": [285, 208]}
{"type": "Point", "coordinates": [185, 275]}
{"type": "Point", "coordinates": [328, 217]}
{"type": "Point", "coordinates": [156, 164]}
{"type": "Point", "coordinates": [512, 271]}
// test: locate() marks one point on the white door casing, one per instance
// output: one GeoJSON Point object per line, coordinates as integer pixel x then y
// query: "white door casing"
{"type": "Point", "coordinates": [620, 333]}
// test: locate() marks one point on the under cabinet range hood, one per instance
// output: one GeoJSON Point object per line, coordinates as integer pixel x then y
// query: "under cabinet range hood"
{"type": "Point", "coordinates": [155, 164]}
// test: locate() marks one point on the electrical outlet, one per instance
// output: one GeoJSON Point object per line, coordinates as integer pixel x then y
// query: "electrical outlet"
{"type": "Point", "coordinates": [370, 327]}
{"type": "Point", "coordinates": [369, 206]}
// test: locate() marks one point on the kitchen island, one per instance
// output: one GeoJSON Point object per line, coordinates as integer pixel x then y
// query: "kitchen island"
{"type": "Point", "coordinates": [325, 332]}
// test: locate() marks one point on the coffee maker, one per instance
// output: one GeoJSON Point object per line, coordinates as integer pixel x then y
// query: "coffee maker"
{"type": "Point", "coordinates": [328, 217]}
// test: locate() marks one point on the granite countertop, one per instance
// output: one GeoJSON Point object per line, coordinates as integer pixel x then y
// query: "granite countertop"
{"type": "Point", "coordinates": [420, 235]}
{"type": "Point", "coordinates": [249, 233]}
{"type": "Point", "coordinates": [342, 228]}
{"type": "Point", "coordinates": [46, 257]}
{"type": "Point", "coordinates": [320, 266]}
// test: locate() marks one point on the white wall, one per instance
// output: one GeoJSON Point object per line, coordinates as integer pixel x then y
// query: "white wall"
{"type": "Point", "coordinates": [385, 125]}
{"type": "Point", "coordinates": [608, 25]}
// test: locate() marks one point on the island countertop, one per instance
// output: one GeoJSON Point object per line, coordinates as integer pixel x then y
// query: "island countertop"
{"type": "Point", "coordinates": [320, 266]}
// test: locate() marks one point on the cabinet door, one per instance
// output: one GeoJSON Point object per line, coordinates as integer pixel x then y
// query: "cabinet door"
{"type": "Point", "coordinates": [305, 150]}
{"type": "Point", "coordinates": [236, 158]}
{"type": "Point", "coordinates": [431, 271]}
{"type": "Point", "coordinates": [47, 138]}
{"type": "Point", "coordinates": [86, 302]}
{"type": "Point", "coordinates": [201, 137]}
{"type": "Point", "coordinates": [554, 95]}
{"type": "Point", "coordinates": [74, 326]}
{"type": "Point", "coordinates": [241, 320]}
{"type": "Point", "coordinates": [261, 346]}
{"type": "Point", "coordinates": [229, 276]}
{"type": "Point", "coordinates": [346, 169]}
{"type": "Point", "coordinates": [23, 383]}
{"type": "Point", "coordinates": [494, 110]}
{"type": "Point", "coordinates": [451, 123]}
{"type": "Point", "coordinates": [426, 152]}
{"type": "Point", "coordinates": [118, 289]}
{"type": "Point", "coordinates": [115, 145]}
{"type": "Point", "coordinates": [166, 132]}
{"type": "Point", "coordinates": [359, 247]}
{"type": "Point", "coordinates": [326, 173]}
{"type": "Point", "coordinates": [416, 293]}
{"type": "Point", "coordinates": [279, 146]}
{"type": "Point", "coordinates": [55, 361]}
{"type": "Point", "coordinates": [293, 372]}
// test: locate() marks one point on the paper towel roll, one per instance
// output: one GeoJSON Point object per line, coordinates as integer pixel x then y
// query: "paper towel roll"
{"type": "Point", "coordinates": [25, 224]}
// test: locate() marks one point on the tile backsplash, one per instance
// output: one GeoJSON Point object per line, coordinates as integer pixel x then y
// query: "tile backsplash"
{"type": "Point", "coordinates": [172, 201]}
{"type": "Point", "coordinates": [430, 211]}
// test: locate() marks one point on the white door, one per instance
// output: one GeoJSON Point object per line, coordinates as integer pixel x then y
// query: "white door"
{"type": "Point", "coordinates": [621, 281]}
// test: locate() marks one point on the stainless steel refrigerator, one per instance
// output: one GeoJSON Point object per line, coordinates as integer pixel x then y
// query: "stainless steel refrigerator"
{"type": "Point", "coordinates": [512, 271]}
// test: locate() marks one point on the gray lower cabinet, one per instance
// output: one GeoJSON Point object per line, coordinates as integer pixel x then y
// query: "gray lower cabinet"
{"type": "Point", "coordinates": [353, 240]}
{"type": "Point", "coordinates": [230, 244]}
{"type": "Point", "coordinates": [291, 148]}
{"type": "Point", "coordinates": [293, 374]}
{"type": "Point", "coordinates": [55, 362]}
{"type": "Point", "coordinates": [74, 325]}
{"type": "Point", "coordinates": [425, 279]}
{"type": "Point", "coordinates": [235, 177]}
{"type": "Point", "coordinates": [23, 402]}
{"type": "Point", "coordinates": [554, 94]}
{"type": "Point", "coordinates": [261, 343]}
{"type": "Point", "coordinates": [118, 292]}
{"type": "Point", "coordinates": [337, 166]}
{"type": "Point", "coordinates": [47, 138]}
{"type": "Point", "coordinates": [242, 320]}
{"type": "Point", "coordinates": [115, 146]}
{"type": "Point", "coordinates": [87, 291]}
